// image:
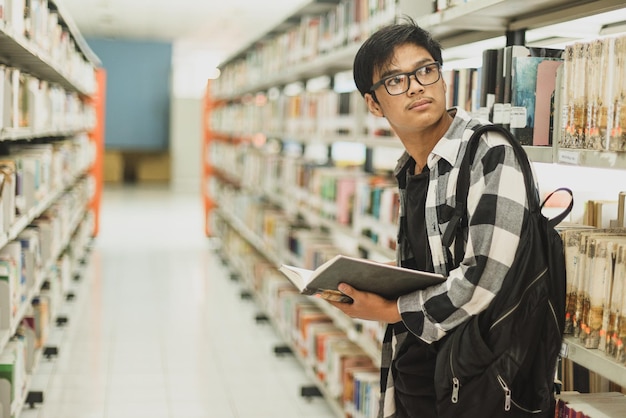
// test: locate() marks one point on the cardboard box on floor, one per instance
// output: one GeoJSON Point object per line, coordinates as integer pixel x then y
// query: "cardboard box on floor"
{"type": "Point", "coordinates": [113, 167]}
{"type": "Point", "coordinates": [136, 166]}
{"type": "Point", "coordinates": [153, 167]}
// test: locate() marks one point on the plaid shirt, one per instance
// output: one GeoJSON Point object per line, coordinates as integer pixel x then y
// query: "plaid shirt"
{"type": "Point", "coordinates": [496, 206]}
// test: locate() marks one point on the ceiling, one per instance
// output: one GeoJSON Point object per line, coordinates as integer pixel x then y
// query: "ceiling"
{"type": "Point", "coordinates": [204, 32]}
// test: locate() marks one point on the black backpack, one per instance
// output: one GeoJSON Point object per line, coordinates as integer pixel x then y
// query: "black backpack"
{"type": "Point", "coordinates": [502, 362]}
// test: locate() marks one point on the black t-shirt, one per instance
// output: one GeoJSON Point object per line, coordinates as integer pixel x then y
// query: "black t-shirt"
{"type": "Point", "coordinates": [414, 366]}
{"type": "Point", "coordinates": [416, 189]}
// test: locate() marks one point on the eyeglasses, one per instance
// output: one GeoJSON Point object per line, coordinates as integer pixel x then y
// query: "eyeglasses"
{"type": "Point", "coordinates": [397, 84]}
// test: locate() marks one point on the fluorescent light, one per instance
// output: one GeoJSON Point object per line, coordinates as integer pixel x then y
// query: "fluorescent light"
{"type": "Point", "coordinates": [613, 28]}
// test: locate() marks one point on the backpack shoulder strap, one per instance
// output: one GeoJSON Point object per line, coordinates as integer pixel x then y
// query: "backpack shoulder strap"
{"type": "Point", "coordinates": [458, 223]}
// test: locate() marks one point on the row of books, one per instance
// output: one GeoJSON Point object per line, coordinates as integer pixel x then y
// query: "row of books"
{"type": "Point", "coordinates": [464, 88]}
{"type": "Point", "coordinates": [594, 88]}
{"type": "Point", "coordinates": [19, 356]}
{"type": "Point", "coordinates": [32, 173]}
{"type": "Point", "coordinates": [37, 25]}
{"type": "Point", "coordinates": [27, 258]}
{"type": "Point", "coordinates": [306, 113]}
{"type": "Point", "coordinates": [346, 373]}
{"type": "Point", "coordinates": [514, 87]}
{"type": "Point", "coordinates": [517, 86]}
{"type": "Point", "coordinates": [40, 106]}
{"type": "Point", "coordinates": [349, 22]}
{"type": "Point", "coordinates": [366, 203]}
{"type": "Point", "coordinates": [285, 238]}
{"type": "Point", "coordinates": [596, 272]}
{"type": "Point", "coordinates": [532, 90]}
{"type": "Point", "coordinates": [590, 405]}
{"type": "Point", "coordinates": [322, 111]}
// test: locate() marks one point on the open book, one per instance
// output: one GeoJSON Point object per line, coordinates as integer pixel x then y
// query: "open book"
{"type": "Point", "coordinates": [366, 275]}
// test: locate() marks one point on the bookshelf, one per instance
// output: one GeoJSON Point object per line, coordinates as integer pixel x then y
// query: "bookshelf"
{"type": "Point", "coordinates": [52, 91]}
{"type": "Point", "coordinates": [260, 113]}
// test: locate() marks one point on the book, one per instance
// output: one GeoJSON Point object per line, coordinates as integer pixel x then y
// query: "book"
{"type": "Point", "coordinates": [524, 78]}
{"type": "Point", "coordinates": [488, 78]}
{"type": "Point", "coordinates": [385, 280]}
{"type": "Point", "coordinates": [621, 207]}
{"type": "Point", "coordinates": [514, 51]}
{"type": "Point", "coordinates": [544, 101]}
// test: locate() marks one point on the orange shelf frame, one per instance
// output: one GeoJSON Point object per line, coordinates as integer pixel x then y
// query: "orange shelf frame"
{"type": "Point", "coordinates": [207, 172]}
{"type": "Point", "coordinates": [98, 100]}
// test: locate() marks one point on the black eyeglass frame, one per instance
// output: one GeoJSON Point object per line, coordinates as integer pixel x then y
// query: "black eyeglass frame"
{"type": "Point", "coordinates": [382, 81]}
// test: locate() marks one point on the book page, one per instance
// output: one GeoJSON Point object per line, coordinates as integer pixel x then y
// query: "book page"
{"type": "Point", "coordinates": [298, 276]}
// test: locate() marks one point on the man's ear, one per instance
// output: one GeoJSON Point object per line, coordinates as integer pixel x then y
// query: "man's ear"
{"type": "Point", "coordinates": [373, 106]}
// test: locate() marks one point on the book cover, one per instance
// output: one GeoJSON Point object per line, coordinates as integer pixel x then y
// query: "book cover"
{"type": "Point", "coordinates": [583, 280]}
{"type": "Point", "coordinates": [621, 199]}
{"type": "Point", "coordinates": [515, 51]}
{"type": "Point", "coordinates": [305, 321]}
{"type": "Point", "coordinates": [325, 341]}
{"type": "Point", "coordinates": [365, 275]}
{"type": "Point", "coordinates": [313, 332]}
{"type": "Point", "coordinates": [349, 383]}
{"type": "Point", "coordinates": [499, 87]}
{"type": "Point", "coordinates": [488, 78]}
{"type": "Point", "coordinates": [544, 94]}
{"type": "Point", "coordinates": [337, 354]}
{"type": "Point", "coordinates": [571, 244]}
{"type": "Point", "coordinates": [524, 91]}
{"type": "Point", "coordinates": [617, 115]}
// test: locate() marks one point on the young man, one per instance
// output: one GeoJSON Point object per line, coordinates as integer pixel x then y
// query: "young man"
{"type": "Point", "coordinates": [398, 72]}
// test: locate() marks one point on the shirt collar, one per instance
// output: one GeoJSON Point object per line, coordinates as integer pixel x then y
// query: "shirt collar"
{"type": "Point", "coordinates": [447, 147]}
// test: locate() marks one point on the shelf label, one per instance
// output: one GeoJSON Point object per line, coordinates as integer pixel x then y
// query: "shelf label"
{"type": "Point", "coordinates": [564, 350]}
{"type": "Point", "coordinates": [502, 113]}
{"type": "Point", "coordinates": [518, 117]}
{"type": "Point", "coordinates": [569, 157]}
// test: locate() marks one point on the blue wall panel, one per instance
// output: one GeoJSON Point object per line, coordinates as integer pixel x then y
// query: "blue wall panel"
{"type": "Point", "coordinates": [138, 93]}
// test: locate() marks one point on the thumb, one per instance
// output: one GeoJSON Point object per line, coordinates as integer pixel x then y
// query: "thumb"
{"type": "Point", "coordinates": [346, 289]}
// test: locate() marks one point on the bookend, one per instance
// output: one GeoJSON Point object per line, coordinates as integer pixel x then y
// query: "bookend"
{"type": "Point", "coordinates": [50, 351]}
{"type": "Point", "coordinates": [310, 391]}
{"type": "Point", "coordinates": [281, 350]}
{"type": "Point", "coordinates": [261, 318]}
{"type": "Point", "coordinates": [33, 397]}
{"type": "Point", "coordinates": [62, 320]}
{"type": "Point", "coordinates": [222, 258]}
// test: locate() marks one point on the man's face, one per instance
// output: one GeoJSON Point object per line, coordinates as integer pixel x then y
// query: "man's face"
{"type": "Point", "coordinates": [420, 107]}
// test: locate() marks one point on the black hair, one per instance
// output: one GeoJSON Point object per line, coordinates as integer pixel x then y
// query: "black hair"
{"type": "Point", "coordinates": [378, 50]}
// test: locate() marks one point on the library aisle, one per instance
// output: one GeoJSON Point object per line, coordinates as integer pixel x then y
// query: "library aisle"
{"type": "Point", "coordinates": [158, 329]}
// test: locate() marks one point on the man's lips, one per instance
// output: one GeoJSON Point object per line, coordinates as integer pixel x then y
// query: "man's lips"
{"type": "Point", "coordinates": [419, 103]}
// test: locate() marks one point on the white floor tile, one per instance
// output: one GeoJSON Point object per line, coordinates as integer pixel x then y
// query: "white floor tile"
{"type": "Point", "coordinates": [159, 330]}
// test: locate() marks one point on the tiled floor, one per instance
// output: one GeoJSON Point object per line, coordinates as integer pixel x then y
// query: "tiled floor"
{"type": "Point", "coordinates": [159, 330]}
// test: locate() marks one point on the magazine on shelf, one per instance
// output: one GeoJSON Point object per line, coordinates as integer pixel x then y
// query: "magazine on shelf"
{"type": "Point", "coordinates": [366, 275]}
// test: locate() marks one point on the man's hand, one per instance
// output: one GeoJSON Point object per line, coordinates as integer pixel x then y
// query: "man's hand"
{"type": "Point", "coordinates": [368, 306]}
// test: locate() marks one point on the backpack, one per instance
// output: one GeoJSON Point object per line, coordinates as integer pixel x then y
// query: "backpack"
{"type": "Point", "coordinates": [502, 362]}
